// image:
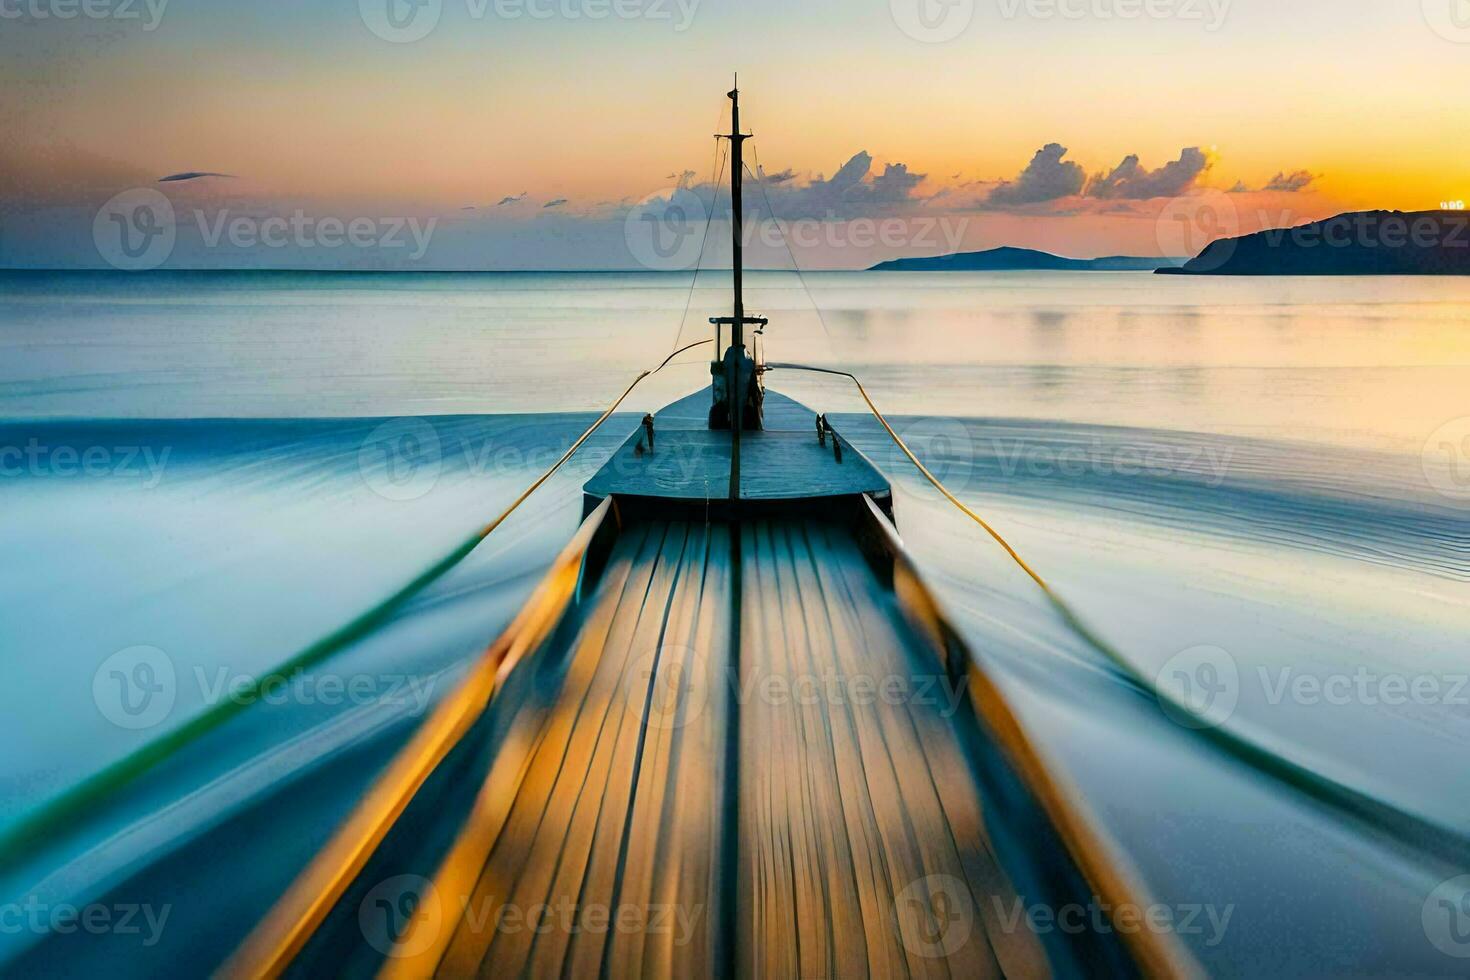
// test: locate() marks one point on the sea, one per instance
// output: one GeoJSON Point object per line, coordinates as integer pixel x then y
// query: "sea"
{"type": "Point", "coordinates": [1255, 490]}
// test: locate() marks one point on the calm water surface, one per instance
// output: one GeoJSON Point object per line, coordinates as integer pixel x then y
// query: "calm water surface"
{"type": "Point", "coordinates": [1253, 468]}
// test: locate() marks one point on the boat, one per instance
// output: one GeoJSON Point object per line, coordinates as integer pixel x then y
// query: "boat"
{"type": "Point", "coordinates": [731, 734]}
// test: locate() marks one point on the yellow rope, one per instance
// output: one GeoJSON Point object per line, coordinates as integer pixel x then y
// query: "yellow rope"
{"type": "Point", "coordinates": [1381, 815]}
{"type": "Point", "coordinates": [583, 438]}
{"type": "Point", "coordinates": [299, 913]}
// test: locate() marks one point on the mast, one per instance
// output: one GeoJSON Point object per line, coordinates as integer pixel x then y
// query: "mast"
{"type": "Point", "coordinates": [735, 397]}
{"type": "Point", "coordinates": [737, 144]}
{"type": "Point", "coordinates": [733, 361]}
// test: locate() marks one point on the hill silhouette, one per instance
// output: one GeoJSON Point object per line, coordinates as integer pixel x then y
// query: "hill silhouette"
{"type": "Point", "coordinates": [1009, 259]}
{"type": "Point", "coordinates": [1357, 243]}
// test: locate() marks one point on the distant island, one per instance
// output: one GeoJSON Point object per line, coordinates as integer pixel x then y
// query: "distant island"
{"type": "Point", "coordinates": [1358, 243]}
{"type": "Point", "coordinates": [1013, 259]}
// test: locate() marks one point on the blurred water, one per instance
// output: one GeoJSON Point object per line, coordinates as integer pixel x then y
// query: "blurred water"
{"type": "Point", "coordinates": [1373, 362]}
{"type": "Point", "coordinates": [1254, 467]}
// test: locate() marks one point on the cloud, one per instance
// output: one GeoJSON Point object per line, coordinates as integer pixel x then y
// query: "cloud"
{"type": "Point", "coordinates": [554, 204]}
{"type": "Point", "coordinates": [1046, 178]}
{"type": "Point", "coordinates": [895, 184]}
{"type": "Point", "coordinates": [1290, 183]}
{"type": "Point", "coordinates": [192, 175]}
{"type": "Point", "coordinates": [1131, 181]}
{"type": "Point", "coordinates": [850, 192]}
{"type": "Point", "coordinates": [1283, 182]}
{"type": "Point", "coordinates": [511, 199]}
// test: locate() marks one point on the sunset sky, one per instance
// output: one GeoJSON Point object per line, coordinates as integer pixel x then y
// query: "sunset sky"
{"type": "Point", "coordinates": [1302, 109]}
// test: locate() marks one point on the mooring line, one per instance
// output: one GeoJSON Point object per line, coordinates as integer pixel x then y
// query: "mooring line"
{"type": "Point", "coordinates": [62, 811]}
{"type": "Point", "coordinates": [1443, 842]}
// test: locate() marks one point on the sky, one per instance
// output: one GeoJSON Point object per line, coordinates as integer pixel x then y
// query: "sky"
{"type": "Point", "coordinates": [555, 133]}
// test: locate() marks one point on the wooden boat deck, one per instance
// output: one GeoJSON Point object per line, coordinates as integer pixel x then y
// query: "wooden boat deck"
{"type": "Point", "coordinates": [728, 752]}
{"type": "Point", "coordinates": [785, 792]}
{"type": "Point", "coordinates": [689, 461]}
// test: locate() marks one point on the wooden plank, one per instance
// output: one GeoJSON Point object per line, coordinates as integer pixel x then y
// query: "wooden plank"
{"type": "Point", "coordinates": [693, 463]}
{"type": "Point", "coordinates": [686, 464]}
{"type": "Point", "coordinates": [620, 813]}
{"type": "Point", "coordinates": [782, 413]}
{"type": "Point", "coordinates": [854, 808]}
{"type": "Point", "coordinates": [848, 807]}
{"type": "Point", "coordinates": [792, 465]}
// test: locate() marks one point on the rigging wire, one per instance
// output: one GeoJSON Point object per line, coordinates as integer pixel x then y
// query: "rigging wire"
{"type": "Point", "coordinates": [718, 172]}
{"type": "Point", "coordinates": [709, 219]}
{"type": "Point", "coordinates": [800, 276]}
